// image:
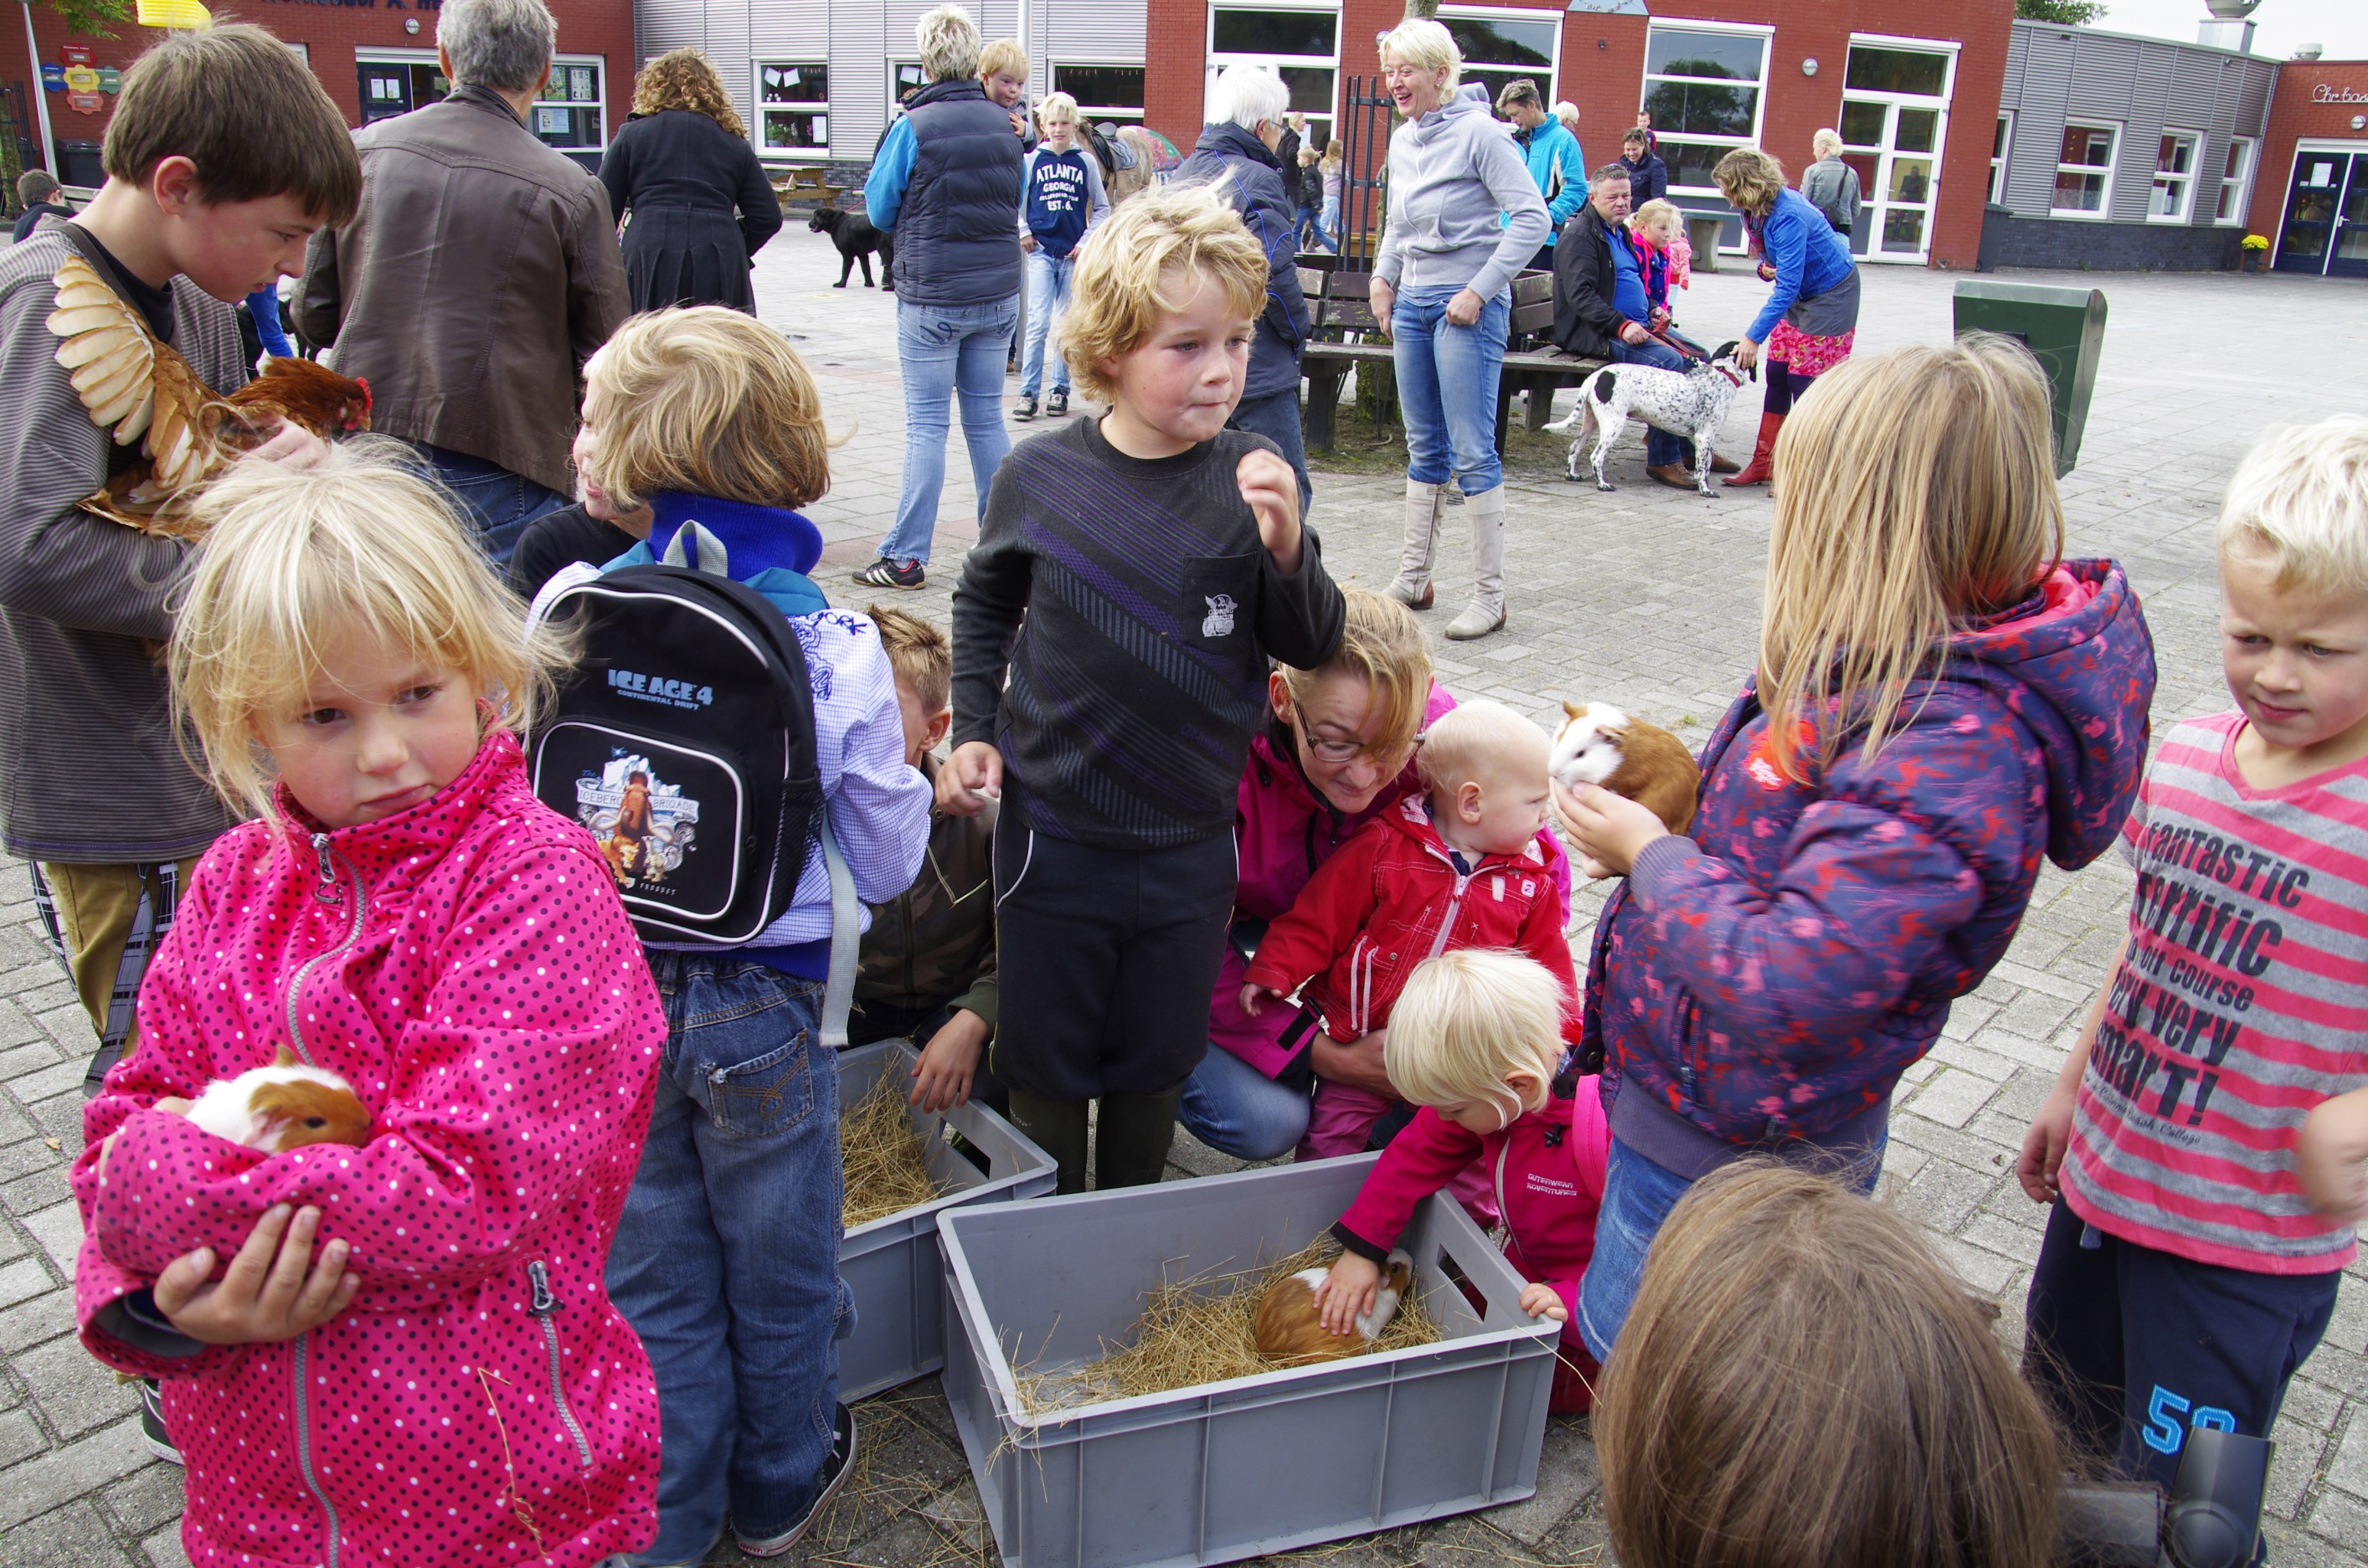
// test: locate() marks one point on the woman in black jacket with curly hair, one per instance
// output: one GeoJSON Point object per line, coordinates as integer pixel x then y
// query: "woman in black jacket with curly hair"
{"type": "Point", "coordinates": [698, 202]}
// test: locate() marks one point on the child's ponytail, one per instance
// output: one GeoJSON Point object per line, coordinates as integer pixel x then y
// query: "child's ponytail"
{"type": "Point", "coordinates": [1914, 490]}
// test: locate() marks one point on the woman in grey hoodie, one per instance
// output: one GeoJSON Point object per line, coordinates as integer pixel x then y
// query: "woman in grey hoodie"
{"type": "Point", "coordinates": [1463, 218]}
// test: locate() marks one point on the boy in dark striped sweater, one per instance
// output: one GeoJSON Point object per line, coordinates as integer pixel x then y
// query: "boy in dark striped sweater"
{"type": "Point", "coordinates": [1133, 576]}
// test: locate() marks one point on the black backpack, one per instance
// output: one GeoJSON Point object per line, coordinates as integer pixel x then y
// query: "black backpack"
{"type": "Point", "coordinates": [684, 742]}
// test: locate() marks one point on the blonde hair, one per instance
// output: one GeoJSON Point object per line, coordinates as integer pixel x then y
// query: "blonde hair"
{"type": "Point", "coordinates": [1004, 57]}
{"type": "Point", "coordinates": [1121, 285]}
{"type": "Point", "coordinates": [1332, 152]}
{"type": "Point", "coordinates": [1749, 179]}
{"type": "Point", "coordinates": [1424, 44]}
{"type": "Point", "coordinates": [1469, 1020]}
{"type": "Point", "coordinates": [1779, 1307]}
{"type": "Point", "coordinates": [1478, 740]}
{"type": "Point", "coordinates": [1659, 215]}
{"type": "Point", "coordinates": [918, 652]}
{"type": "Point", "coordinates": [948, 40]}
{"type": "Point", "coordinates": [683, 78]}
{"type": "Point", "coordinates": [2298, 504]}
{"type": "Point", "coordinates": [1381, 644]}
{"type": "Point", "coordinates": [1827, 142]}
{"type": "Point", "coordinates": [708, 401]}
{"type": "Point", "coordinates": [1056, 106]}
{"type": "Point", "coordinates": [1913, 489]}
{"type": "Point", "coordinates": [361, 542]}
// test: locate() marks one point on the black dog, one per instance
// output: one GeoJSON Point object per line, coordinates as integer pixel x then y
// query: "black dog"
{"type": "Point", "coordinates": [856, 238]}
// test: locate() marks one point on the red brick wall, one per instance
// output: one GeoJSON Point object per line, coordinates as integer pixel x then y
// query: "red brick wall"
{"type": "Point", "coordinates": [1602, 71]}
{"type": "Point", "coordinates": [2294, 116]}
{"type": "Point", "coordinates": [330, 33]}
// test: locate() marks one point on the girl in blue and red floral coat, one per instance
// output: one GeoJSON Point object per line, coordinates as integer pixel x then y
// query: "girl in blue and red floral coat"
{"type": "Point", "coordinates": [1476, 1041]}
{"type": "Point", "coordinates": [1940, 700]}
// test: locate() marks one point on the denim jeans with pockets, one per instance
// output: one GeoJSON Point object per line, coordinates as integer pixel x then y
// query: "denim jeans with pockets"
{"type": "Point", "coordinates": [498, 502]}
{"type": "Point", "coordinates": [726, 1261]}
{"type": "Point", "coordinates": [943, 350]}
{"type": "Point", "coordinates": [1048, 291]}
{"type": "Point", "coordinates": [1447, 387]}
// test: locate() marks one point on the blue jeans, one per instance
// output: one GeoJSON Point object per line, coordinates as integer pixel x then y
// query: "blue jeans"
{"type": "Point", "coordinates": [1276, 416]}
{"type": "Point", "coordinates": [1660, 447]}
{"type": "Point", "coordinates": [498, 502]}
{"type": "Point", "coordinates": [1238, 1111]}
{"type": "Point", "coordinates": [1307, 218]}
{"type": "Point", "coordinates": [1447, 387]}
{"type": "Point", "coordinates": [941, 350]}
{"type": "Point", "coordinates": [1048, 287]}
{"type": "Point", "coordinates": [1327, 224]}
{"type": "Point", "coordinates": [726, 1261]}
{"type": "Point", "coordinates": [1637, 1198]}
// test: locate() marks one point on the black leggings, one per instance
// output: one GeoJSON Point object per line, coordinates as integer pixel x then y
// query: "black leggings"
{"type": "Point", "coordinates": [1784, 387]}
{"type": "Point", "coordinates": [1106, 960]}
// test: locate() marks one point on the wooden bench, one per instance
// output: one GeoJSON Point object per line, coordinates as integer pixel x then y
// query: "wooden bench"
{"type": "Point", "coordinates": [1343, 335]}
{"type": "Point", "coordinates": [805, 182]}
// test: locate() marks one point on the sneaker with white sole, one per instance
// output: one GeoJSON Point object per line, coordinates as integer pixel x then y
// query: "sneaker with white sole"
{"type": "Point", "coordinates": [152, 1423]}
{"type": "Point", "coordinates": [836, 1469]}
{"type": "Point", "coordinates": [1057, 406]}
{"type": "Point", "coordinates": [1024, 408]}
{"type": "Point", "coordinates": [886, 573]}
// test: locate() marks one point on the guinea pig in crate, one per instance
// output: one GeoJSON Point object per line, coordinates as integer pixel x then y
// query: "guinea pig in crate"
{"type": "Point", "coordinates": [282, 1107]}
{"type": "Point", "coordinates": [1290, 1317]}
{"type": "Point", "coordinates": [1600, 744]}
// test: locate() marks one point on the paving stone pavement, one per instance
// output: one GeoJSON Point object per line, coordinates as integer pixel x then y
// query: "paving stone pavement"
{"type": "Point", "coordinates": [1647, 598]}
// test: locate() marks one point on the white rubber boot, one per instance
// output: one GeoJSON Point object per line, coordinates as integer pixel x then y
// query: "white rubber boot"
{"type": "Point", "coordinates": [1485, 613]}
{"type": "Point", "coordinates": [1412, 584]}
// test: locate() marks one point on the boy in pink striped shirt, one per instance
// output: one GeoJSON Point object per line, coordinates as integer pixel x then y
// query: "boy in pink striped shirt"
{"type": "Point", "coordinates": [2191, 1260]}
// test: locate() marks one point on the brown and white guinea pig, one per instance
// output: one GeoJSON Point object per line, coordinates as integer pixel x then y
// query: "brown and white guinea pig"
{"type": "Point", "coordinates": [1291, 1321]}
{"type": "Point", "coordinates": [282, 1107]}
{"type": "Point", "coordinates": [1600, 744]}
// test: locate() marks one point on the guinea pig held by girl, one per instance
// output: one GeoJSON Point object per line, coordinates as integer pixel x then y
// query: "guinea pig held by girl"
{"type": "Point", "coordinates": [418, 1312]}
{"type": "Point", "coordinates": [1941, 700]}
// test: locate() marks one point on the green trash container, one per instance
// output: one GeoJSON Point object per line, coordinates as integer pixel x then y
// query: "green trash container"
{"type": "Point", "coordinates": [2064, 327]}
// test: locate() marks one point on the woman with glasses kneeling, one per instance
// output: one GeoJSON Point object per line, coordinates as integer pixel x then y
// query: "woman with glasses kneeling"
{"type": "Point", "coordinates": [1337, 751]}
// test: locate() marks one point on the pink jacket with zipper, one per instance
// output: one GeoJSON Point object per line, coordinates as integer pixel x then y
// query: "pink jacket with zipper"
{"type": "Point", "coordinates": [466, 966]}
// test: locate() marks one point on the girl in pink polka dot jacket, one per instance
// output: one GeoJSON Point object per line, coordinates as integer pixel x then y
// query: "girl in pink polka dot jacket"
{"type": "Point", "coordinates": [402, 1352]}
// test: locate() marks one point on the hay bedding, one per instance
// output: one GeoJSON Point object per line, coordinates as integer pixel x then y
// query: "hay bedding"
{"type": "Point", "coordinates": [1200, 1330]}
{"type": "Point", "coordinates": [886, 1169]}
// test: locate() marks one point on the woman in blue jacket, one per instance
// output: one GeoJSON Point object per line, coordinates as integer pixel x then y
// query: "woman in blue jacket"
{"type": "Point", "coordinates": [1811, 318]}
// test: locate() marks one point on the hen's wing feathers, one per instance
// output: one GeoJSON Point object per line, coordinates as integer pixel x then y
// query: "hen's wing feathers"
{"type": "Point", "coordinates": [129, 381]}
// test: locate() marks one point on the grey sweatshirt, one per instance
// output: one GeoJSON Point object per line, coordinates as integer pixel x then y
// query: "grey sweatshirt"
{"type": "Point", "coordinates": [1463, 212]}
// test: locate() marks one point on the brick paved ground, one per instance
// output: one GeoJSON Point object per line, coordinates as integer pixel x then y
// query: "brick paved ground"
{"type": "Point", "coordinates": [1647, 598]}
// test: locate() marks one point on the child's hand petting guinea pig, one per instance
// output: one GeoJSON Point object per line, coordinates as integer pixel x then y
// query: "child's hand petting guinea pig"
{"type": "Point", "coordinates": [1272, 492]}
{"type": "Point", "coordinates": [1609, 830]}
{"type": "Point", "coordinates": [1348, 1293]}
{"type": "Point", "coordinates": [1544, 1301]}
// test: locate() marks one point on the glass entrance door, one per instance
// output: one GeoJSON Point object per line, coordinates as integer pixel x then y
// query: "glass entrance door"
{"type": "Point", "coordinates": [2325, 229]}
{"type": "Point", "coordinates": [1894, 116]}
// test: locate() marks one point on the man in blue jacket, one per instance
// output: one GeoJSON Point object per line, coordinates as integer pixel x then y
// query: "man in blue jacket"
{"type": "Point", "coordinates": [1236, 154]}
{"type": "Point", "coordinates": [1554, 159]}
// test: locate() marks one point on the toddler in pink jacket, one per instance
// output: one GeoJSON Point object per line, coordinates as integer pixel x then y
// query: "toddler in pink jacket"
{"type": "Point", "coordinates": [1476, 1040]}
{"type": "Point", "coordinates": [399, 1352]}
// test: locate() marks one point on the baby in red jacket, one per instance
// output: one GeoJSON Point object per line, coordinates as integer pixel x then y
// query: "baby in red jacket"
{"type": "Point", "coordinates": [1458, 866]}
{"type": "Point", "coordinates": [1477, 1043]}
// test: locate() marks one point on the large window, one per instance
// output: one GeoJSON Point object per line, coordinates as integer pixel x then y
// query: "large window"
{"type": "Point", "coordinates": [1502, 46]}
{"type": "Point", "coordinates": [1701, 88]}
{"type": "Point", "coordinates": [1104, 93]}
{"type": "Point", "coordinates": [2236, 182]}
{"type": "Point", "coordinates": [792, 106]}
{"type": "Point", "coordinates": [2084, 171]}
{"type": "Point", "coordinates": [398, 80]}
{"type": "Point", "coordinates": [1302, 46]}
{"type": "Point", "coordinates": [905, 77]}
{"type": "Point", "coordinates": [2000, 143]}
{"type": "Point", "coordinates": [2172, 200]}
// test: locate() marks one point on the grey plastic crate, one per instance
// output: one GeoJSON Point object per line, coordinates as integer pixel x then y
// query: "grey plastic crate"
{"type": "Point", "coordinates": [1238, 1469]}
{"type": "Point", "coordinates": [891, 1264]}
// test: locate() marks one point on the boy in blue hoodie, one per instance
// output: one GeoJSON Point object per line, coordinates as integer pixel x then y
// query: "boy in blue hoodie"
{"type": "Point", "coordinates": [1060, 198]}
{"type": "Point", "coordinates": [726, 1261]}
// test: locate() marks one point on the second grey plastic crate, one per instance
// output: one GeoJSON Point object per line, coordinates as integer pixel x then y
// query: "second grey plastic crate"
{"type": "Point", "coordinates": [1238, 1469]}
{"type": "Point", "coordinates": [891, 1265]}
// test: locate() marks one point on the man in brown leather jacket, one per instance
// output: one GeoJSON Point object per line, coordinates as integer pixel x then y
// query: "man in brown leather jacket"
{"type": "Point", "coordinates": [479, 275]}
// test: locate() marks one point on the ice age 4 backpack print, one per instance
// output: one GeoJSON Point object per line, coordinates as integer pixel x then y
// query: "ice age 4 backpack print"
{"type": "Point", "coordinates": [685, 741]}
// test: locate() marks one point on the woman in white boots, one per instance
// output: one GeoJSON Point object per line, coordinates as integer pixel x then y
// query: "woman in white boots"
{"type": "Point", "coordinates": [1463, 218]}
